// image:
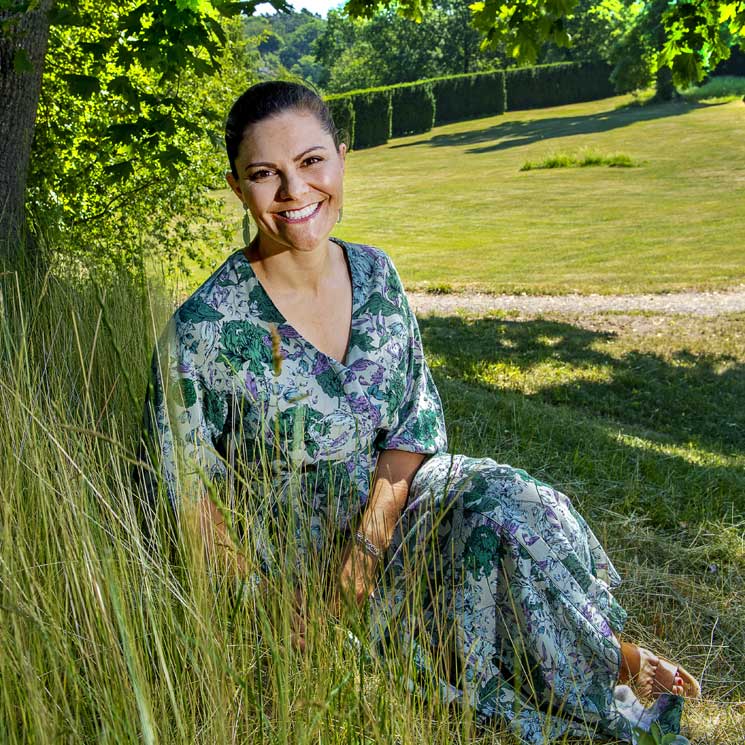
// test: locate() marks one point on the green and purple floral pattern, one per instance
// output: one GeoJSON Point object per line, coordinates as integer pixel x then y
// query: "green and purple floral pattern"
{"type": "Point", "coordinates": [512, 570]}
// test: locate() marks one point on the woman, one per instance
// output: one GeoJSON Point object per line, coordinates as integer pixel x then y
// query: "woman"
{"type": "Point", "coordinates": [303, 347]}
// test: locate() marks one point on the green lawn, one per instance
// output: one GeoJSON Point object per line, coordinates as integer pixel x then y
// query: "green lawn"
{"type": "Point", "coordinates": [638, 417]}
{"type": "Point", "coordinates": [453, 207]}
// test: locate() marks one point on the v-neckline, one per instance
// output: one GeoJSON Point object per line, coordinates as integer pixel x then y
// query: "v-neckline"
{"type": "Point", "coordinates": [345, 251]}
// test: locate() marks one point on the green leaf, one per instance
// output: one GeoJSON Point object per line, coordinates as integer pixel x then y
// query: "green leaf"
{"type": "Point", "coordinates": [125, 132]}
{"type": "Point", "coordinates": [122, 86]}
{"type": "Point", "coordinates": [84, 86]}
{"type": "Point", "coordinates": [120, 171]}
{"type": "Point", "coordinates": [60, 16]}
{"type": "Point", "coordinates": [230, 9]}
{"type": "Point", "coordinates": [172, 154]}
{"type": "Point", "coordinates": [14, 6]}
{"type": "Point", "coordinates": [95, 49]}
{"type": "Point", "coordinates": [22, 62]}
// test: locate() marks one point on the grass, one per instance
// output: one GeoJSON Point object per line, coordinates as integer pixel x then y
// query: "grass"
{"type": "Point", "coordinates": [106, 639]}
{"type": "Point", "coordinates": [582, 159]}
{"type": "Point", "coordinates": [452, 206]}
{"type": "Point", "coordinates": [717, 90]}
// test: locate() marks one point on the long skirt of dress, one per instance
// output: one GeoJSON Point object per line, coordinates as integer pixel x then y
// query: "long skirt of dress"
{"type": "Point", "coordinates": [507, 576]}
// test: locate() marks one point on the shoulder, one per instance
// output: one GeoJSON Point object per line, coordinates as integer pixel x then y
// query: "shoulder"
{"type": "Point", "coordinates": [369, 262]}
{"type": "Point", "coordinates": [199, 318]}
{"type": "Point", "coordinates": [214, 298]}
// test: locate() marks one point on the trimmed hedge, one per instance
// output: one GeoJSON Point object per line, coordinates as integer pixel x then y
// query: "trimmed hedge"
{"type": "Point", "coordinates": [557, 84]}
{"type": "Point", "coordinates": [469, 95]}
{"type": "Point", "coordinates": [342, 112]}
{"type": "Point", "coordinates": [372, 117]}
{"type": "Point", "coordinates": [413, 108]}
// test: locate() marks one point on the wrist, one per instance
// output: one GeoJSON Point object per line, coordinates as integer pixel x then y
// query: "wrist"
{"type": "Point", "coordinates": [368, 546]}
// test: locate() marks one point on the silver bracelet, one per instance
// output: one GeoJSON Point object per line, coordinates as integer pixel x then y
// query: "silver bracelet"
{"type": "Point", "coordinates": [366, 545]}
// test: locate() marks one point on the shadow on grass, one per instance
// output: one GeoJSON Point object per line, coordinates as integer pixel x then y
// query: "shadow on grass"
{"type": "Point", "coordinates": [510, 134]}
{"type": "Point", "coordinates": [695, 400]}
{"type": "Point", "coordinates": [692, 401]}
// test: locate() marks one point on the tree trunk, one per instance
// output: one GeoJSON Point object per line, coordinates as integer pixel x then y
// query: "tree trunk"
{"type": "Point", "coordinates": [664, 88]}
{"type": "Point", "coordinates": [23, 46]}
{"type": "Point", "coordinates": [466, 40]}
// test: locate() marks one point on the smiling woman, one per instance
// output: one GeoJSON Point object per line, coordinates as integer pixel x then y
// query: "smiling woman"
{"type": "Point", "coordinates": [303, 347]}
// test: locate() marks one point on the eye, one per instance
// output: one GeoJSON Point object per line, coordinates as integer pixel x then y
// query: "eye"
{"type": "Point", "coordinates": [260, 175]}
{"type": "Point", "coordinates": [311, 160]}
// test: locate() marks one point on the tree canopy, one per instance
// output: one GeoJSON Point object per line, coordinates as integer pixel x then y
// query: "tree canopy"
{"type": "Point", "coordinates": [694, 35]}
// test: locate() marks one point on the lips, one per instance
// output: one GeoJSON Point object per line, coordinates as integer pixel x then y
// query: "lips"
{"type": "Point", "coordinates": [301, 215]}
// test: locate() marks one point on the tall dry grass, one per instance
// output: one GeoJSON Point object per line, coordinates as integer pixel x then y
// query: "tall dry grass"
{"type": "Point", "coordinates": [111, 636]}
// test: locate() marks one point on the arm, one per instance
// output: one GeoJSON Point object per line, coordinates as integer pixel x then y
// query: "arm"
{"type": "Point", "coordinates": [393, 476]}
{"type": "Point", "coordinates": [181, 439]}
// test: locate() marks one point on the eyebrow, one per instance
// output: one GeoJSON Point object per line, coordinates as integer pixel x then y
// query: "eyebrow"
{"type": "Point", "coordinates": [297, 157]}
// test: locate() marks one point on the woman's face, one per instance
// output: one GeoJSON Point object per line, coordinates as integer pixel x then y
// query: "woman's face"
{"type": "Point", "coordinates": [290, 176]}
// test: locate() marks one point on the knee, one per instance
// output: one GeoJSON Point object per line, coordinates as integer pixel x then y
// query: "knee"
{"type": "Point", "coordinates": [484, 485]}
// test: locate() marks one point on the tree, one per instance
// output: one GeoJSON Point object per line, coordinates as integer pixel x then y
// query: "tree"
{"type": "Point", "coordinates": [23, 45]}
{"type": "Point", "coordinates": [388, 48]}
{"type": "Point", "coordinates": [115, 192]}
{"type": "Point", "coordinates": [694, 35]}
{"type": "Point", "coordinates": [150, 47]}
{"type": "Point", "coordinates": [285, 42]}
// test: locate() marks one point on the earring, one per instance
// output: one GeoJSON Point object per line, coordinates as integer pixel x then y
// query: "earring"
{"type": "Point", "coordinates": [246, 227]}
{"type": "Point", "coordinates": [341, 210]}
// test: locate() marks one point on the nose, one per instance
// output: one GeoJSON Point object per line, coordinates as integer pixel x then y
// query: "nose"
{"type": "Point", "coordinates": [292, 185]}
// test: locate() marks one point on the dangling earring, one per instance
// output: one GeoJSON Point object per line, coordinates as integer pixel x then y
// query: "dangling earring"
{"type": "Point", "coordinates": [246, 227]}
{"type": "Point", "coordinates": [341, 210]}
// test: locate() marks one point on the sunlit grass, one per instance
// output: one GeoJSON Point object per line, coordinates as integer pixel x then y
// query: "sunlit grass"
{"type": "Point", "coordinates": [582, 159]}
{"type": "Point", "coordinates": [717, 90]}
{"type": "Point", "coordinates": [109, 638]}
{"type": "Point", "coordinates": [454, 210]}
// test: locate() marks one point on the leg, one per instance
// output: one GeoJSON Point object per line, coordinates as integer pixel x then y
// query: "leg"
{"type": "Point", "coordinates": [519, 582]}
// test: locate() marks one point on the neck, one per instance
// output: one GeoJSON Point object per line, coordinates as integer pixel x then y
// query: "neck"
{"type": "Point", "coordinates": [291, 269]}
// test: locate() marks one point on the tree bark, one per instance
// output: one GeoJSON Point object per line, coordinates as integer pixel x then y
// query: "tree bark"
{"type": "Point", "coordinates": [23, 44]}
{"type": "Point", "coordinates": [664, 88]}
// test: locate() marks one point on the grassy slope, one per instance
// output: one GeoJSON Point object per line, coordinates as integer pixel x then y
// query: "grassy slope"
{"type": "Point", "coordinates": [452, 206]}
{"type": "Point", "coordinates": [637, 417]}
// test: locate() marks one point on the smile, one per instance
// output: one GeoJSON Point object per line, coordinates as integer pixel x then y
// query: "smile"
{"type": "Point", "coordinates": [300, 215]}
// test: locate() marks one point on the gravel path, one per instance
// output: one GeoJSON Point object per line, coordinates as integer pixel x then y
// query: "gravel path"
{"type": "Point", "coordinates": [689, 303]}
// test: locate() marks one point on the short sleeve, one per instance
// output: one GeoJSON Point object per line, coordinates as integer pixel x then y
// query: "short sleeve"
{"type": "Point", "coordinates": [418, 424]}
{"type": "Point", "coordinates": [182, 419]}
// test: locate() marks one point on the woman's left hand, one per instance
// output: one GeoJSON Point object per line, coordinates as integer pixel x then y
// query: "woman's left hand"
{"type": "Point", "coordinates": [393, 476]}
{"type": "Point", "coordinates": [357, 576]}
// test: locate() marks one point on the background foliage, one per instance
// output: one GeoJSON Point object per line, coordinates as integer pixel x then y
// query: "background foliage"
{"type": "Point", "coordinates": [115, 137]}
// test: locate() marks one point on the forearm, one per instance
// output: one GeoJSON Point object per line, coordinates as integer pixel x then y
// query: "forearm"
{"type": "Point", "coordinates": [393, 476]}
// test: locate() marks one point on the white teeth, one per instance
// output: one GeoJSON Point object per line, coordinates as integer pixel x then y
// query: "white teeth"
{"type": "Point", "coordinates": [299, 214]}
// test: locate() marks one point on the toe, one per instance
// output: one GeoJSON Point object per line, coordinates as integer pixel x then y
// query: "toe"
{"type": "Point", "coordinates": [678, 687]}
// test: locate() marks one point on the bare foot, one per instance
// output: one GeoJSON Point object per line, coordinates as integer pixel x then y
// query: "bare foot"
{"type": "Point", "coordinates": [648, 674]}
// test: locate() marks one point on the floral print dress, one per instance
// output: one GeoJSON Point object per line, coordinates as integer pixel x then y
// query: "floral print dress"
{"type": "Point", "coordinates": [514, 575]}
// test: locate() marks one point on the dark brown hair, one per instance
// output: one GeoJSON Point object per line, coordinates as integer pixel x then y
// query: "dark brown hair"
{"type": "Point", "coordinates": [270, 98]}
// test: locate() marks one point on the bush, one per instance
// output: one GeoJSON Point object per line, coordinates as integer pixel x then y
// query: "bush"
{"type": "Point", "coordinates": [468, 96]}
{"type": "Point", "coordinates": [553, 85]}
{"type": "Point", "coordinates": [372, 117]}
{"type": "Point", "coordinates": [342, 112]}
{"type": "Point", "coordinates": [413, 108]}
